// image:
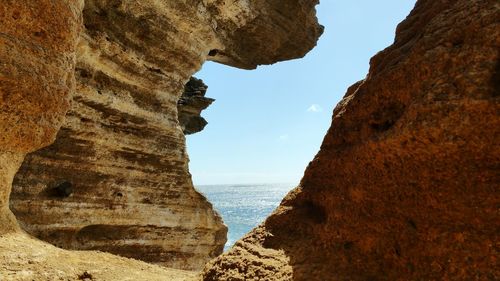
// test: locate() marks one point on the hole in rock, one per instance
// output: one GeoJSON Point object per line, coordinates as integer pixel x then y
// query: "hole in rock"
{"type": "Point", "coordinates": [16, 15]}
{"type": "Point", "coordinates": [495, 80]}
{"type": "Point", "coordinates": [62, 189]}
{"type": "Point", "coordinates": [85, 276]}
{"type": "Point", "coordinates": [213, 53]}
{"type": "Point", "coordinates": [40, 33]}
{"type": "Point", "coordinates": [386, 117]}
{"type": "Point", "coordinates": [348, 245]}
{"type": "Point", "coordinates": [412, 224]}
{"type": "Point", "coordinates": [83, 73]}
{"type": "Point", "coordinates": [397, 250]}
{"type": "Point", "coordinates": [314, 212]}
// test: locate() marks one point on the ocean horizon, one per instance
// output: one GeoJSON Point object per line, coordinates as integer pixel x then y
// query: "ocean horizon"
{"type": "Point", "coordinates": [244, 206]}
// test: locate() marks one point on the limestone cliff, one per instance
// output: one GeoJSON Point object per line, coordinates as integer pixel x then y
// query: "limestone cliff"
{"type": "Point", "coordinates": [405, 186]}
{"type": "Point", "coordinates": [116, 178]}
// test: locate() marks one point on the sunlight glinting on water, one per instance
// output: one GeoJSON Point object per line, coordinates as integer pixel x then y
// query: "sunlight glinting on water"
{"type": "Point", "coordinates": [243, 207]}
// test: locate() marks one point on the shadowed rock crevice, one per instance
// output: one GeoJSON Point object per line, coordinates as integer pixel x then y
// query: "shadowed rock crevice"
{"type": "Point", "coordinates": [383, 119]}
{"type": "Point", "coordinates": [495, 80]}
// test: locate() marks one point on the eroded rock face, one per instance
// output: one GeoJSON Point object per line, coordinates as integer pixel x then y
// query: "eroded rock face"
{"type": "Point", "coordinates": [405, 185]}
{"type": "Point", "coordinates": [116, 178]}
{"type": "Point", "coordinates": [263, 32]}
{"type": "Point", "coordinates": [37, 58]}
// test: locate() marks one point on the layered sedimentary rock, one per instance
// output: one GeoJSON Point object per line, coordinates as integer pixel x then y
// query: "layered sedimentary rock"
{"type": "Point", "coordinates": [405, 186]}
{"type": "Point", "coordinates": [37, 59]}
{"type": "Point", "coordinates": [191, 104]}
{"type": "Point", "coordinates": [116, 178]}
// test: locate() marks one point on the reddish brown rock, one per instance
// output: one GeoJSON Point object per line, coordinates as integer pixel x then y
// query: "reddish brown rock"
{"type": "Point", "coordinates": [37, 58]}
{"type": "Point", "coordinates": [405, 186]}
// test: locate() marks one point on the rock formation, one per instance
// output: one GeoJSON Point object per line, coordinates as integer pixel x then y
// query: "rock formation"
{"type": "Point", "coordinates": [116, 178]}
{"type": "Point", "coordinates": [26, 259]}
{"type": "Point", "coordinates": [191, 104]}
{"type": "Point", "coordinates": [37, 60]}
{"type": "Point", "coordinates": [405, 186]}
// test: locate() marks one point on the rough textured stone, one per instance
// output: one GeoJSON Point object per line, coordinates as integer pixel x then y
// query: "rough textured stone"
{"type": "Point", "coordinates": [37, 58]}
{"type": "Point", "coordinates": [116, 178]}
{"type": "Point", "coordinates": [405, 186]}
{"type": "Point", "coordinates": [191, 104]}
{"type": "Point", "coordinates": [9, 164]}
{"type": "Point", "coordinates": [27, 259]}
{"type": "Point", "coordinates": [263, 31]}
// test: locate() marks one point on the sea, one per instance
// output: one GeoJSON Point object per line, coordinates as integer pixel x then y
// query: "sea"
{"type": "Point", "coordinates": [244, 206]}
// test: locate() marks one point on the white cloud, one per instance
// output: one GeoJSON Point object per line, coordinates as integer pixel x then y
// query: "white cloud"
{"type": "Point", "coordinates": [315, 108]}
{"type": "Point", "coordinates": [284, 137]}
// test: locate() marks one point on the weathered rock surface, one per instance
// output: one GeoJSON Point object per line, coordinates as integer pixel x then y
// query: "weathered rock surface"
{"type": "Point", "coordinates": [405, 186]}
{"type": "Point", "coordinates": [37, 58]}
{"type": "Point", "coordinates": [116, 178]}
{"type": "Point", "coordinates": [191, 104]}
{"type": "Point", "coordinates": [27, 259]}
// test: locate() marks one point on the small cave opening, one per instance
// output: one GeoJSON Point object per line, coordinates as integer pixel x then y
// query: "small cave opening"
{"type": "Point", "coordinates": [213, 53]}
{"type": "Point", "coordinates": [62, 189]}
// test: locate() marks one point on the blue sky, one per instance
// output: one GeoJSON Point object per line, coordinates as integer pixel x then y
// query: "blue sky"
{"type": "Point", "coordinates": [267, 124]}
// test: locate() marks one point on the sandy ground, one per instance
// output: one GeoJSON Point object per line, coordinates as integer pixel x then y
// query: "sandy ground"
{"type": "Point", "coordinates": [25, 258]}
